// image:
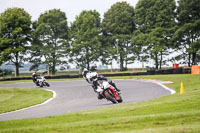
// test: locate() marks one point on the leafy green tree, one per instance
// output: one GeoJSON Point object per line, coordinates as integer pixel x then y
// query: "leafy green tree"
{"type": "Point", "coordinates": [139, 40]}
{"type": "Point", "coordinates": [84, 36]}
{"type": "Point", "coordinates": [108, 51]}
{"type": "Point", "coordinates": [15, 35]}
{"type": "Point", "coordinates": [50, 39]}
{"type": "Point", "coordinates": [155, 21]}
{"type": "Point", "coordinates": [188, 32]}
{"type": "Point", "coordinates": [118, 26]}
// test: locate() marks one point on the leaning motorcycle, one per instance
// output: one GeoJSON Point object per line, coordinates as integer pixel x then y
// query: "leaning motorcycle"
{"type": "Point", "coordinates": [109, 92]}
{"type": "Point", "coordinates": [41, 81]}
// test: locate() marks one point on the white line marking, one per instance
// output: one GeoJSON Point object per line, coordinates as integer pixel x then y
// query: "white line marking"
{"type": "Point", "coordinates": [167, 88]}
{"type": "Point", "coordinates": [45, 102]}
{"type": "Point", "coordinates": [158, 82]}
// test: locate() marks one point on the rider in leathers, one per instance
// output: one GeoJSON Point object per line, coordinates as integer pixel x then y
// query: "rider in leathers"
{"type": "Point", "coordinates": [84, 73]}
{"type": "Point", "coordinates": [94, 77]}
{"type": "Point", "coordinates": [34, 77]}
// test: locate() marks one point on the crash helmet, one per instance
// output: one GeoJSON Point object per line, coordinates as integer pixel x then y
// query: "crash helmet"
{"type": "Point", "coordinates": [94, 75]}
{"type": "Point", "coordinates": [85, 69]}
{"type": "Point", "coordinates": [34, 73]}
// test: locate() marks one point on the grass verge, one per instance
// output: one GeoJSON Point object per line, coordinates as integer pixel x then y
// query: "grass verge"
{"type": "Point", "coordinates": [17, 98]}
{"type": "Point", "coordinates": [174, 113]}
{"type": "Point", "coordinates": [15, 81]}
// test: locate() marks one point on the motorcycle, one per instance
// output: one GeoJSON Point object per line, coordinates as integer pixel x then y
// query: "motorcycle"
{"type": "Point", "coordinates": [41, 81]}
{"type": "Point", "coordinates": [109, 92]}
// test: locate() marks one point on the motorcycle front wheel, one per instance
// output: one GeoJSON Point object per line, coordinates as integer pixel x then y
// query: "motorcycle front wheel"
{"type": "Point", "coordinates": [120, 99]}
{"type": "Point", "coordinates": [41, 85]}
{"type": "Point", "coordinates": [109, 97]}
{"type": "Point", "coordinates": [47, 84]}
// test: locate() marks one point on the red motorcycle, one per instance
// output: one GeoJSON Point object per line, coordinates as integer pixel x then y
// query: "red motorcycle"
{"type": "Point", "coordinates": [109, 92]}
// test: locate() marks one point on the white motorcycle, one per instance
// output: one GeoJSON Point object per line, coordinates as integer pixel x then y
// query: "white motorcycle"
{"type": "Point", "coordinates": [41, 81]}
{"type": "Point", "coordinates": [109, 92]}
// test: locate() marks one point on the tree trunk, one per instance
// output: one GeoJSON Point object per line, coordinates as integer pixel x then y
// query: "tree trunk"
{"type": "Point", "coordinates": [142, 65]}
{"type": "Point", "coordinates": [126, 63]}
{"type": "Point", "coordinates": [87, 59]}
{"type": "Point", "coordinates": [16, 69]}
{"type": "Point", "coordinates": [156, 60]}
{"type": "Point", "coordinates": [121, 63]}
{"type": "Point", "coordinates": [54, 68]}
{"type": "Point", "coordinates": [126, 66]}
{"type": "Point", "coordinates": [193, 53]}
{"type": "Point", "coordinates": [16, 65]}
{"type": "Point", "coordinates": [111, 64]}
{"type": "Point", "coordinates": [189, 64]}
{"type": "Point", "coordinates": [194, 58]}
{"type": "Point", "coordinates": [48, 70]}
{"type": "Point", "coordinates": [88, 65]}
{"type": "Point", "coordinates": [160, 59]}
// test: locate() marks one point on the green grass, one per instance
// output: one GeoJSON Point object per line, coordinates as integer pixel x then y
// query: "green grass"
{"type": "Point", "coordinates": [15, 81]}
{"type": "Point", "coordinates": [17, 98]}
{"type": "Point", "coordinates": [178, 113]}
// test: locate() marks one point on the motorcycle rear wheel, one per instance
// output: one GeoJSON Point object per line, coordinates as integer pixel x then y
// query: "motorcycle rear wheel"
{"type": "Point", "coordinates": [109, 97]}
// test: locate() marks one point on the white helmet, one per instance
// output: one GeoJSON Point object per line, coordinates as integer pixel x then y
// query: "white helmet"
{"type": "Point", "coordinates": [34, 73]}
{"type": "Point", "coordinates": [85, 69]}
{"type": "Point", "coordinates": [93, 75]}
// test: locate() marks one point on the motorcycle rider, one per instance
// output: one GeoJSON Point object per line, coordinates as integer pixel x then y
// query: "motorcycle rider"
{"type": "Point", "coordinates": [100, 77]}
{"type": "Point", "coordinates": [94, 77]}
{"type": "Point", "coordinates": [84, 73]}
{"type": "Point", "coordinates": [34, 77]}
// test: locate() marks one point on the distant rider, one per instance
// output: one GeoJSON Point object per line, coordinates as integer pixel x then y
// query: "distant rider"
{"type": "Point", "coordinates": [34, 77]}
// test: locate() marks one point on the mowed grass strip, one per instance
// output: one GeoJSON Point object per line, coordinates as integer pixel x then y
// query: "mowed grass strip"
{"type": "Point", "coordinates": [16, 98]}
{"type": "Point", "coordinates": [178, 113]}
{"type": "Point", "coordinates": [66, 79]}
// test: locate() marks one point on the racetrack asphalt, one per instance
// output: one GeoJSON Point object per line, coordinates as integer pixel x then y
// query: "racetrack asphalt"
{"type": "Point", "coordinates": [74, 96]}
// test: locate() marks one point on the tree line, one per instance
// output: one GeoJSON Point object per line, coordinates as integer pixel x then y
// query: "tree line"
{"type": "Point", "coordinates": [154, 29]}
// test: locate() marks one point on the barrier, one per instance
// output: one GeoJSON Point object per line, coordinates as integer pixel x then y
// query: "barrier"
{"type": "Point", "coordinates": [179, 70]}
{"type": "Point", "coordinates": [151, 72]}
{"type": "Point", "coordinates": [186, 71]}
{"type": "Point", "coordinates": [195, 69]}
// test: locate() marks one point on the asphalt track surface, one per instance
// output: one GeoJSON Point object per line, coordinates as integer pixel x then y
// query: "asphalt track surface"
{"type": "Point", "coordinates": [74, 96]}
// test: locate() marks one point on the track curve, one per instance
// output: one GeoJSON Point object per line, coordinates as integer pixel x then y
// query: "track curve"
{"type": "Point", "coordinates": [74, 96]}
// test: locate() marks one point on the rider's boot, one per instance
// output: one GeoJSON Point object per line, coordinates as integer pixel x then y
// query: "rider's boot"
{"type": "Point", "coordinates": [113, 84]}
{"type": "Point", "coordinates": [118, 89]}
